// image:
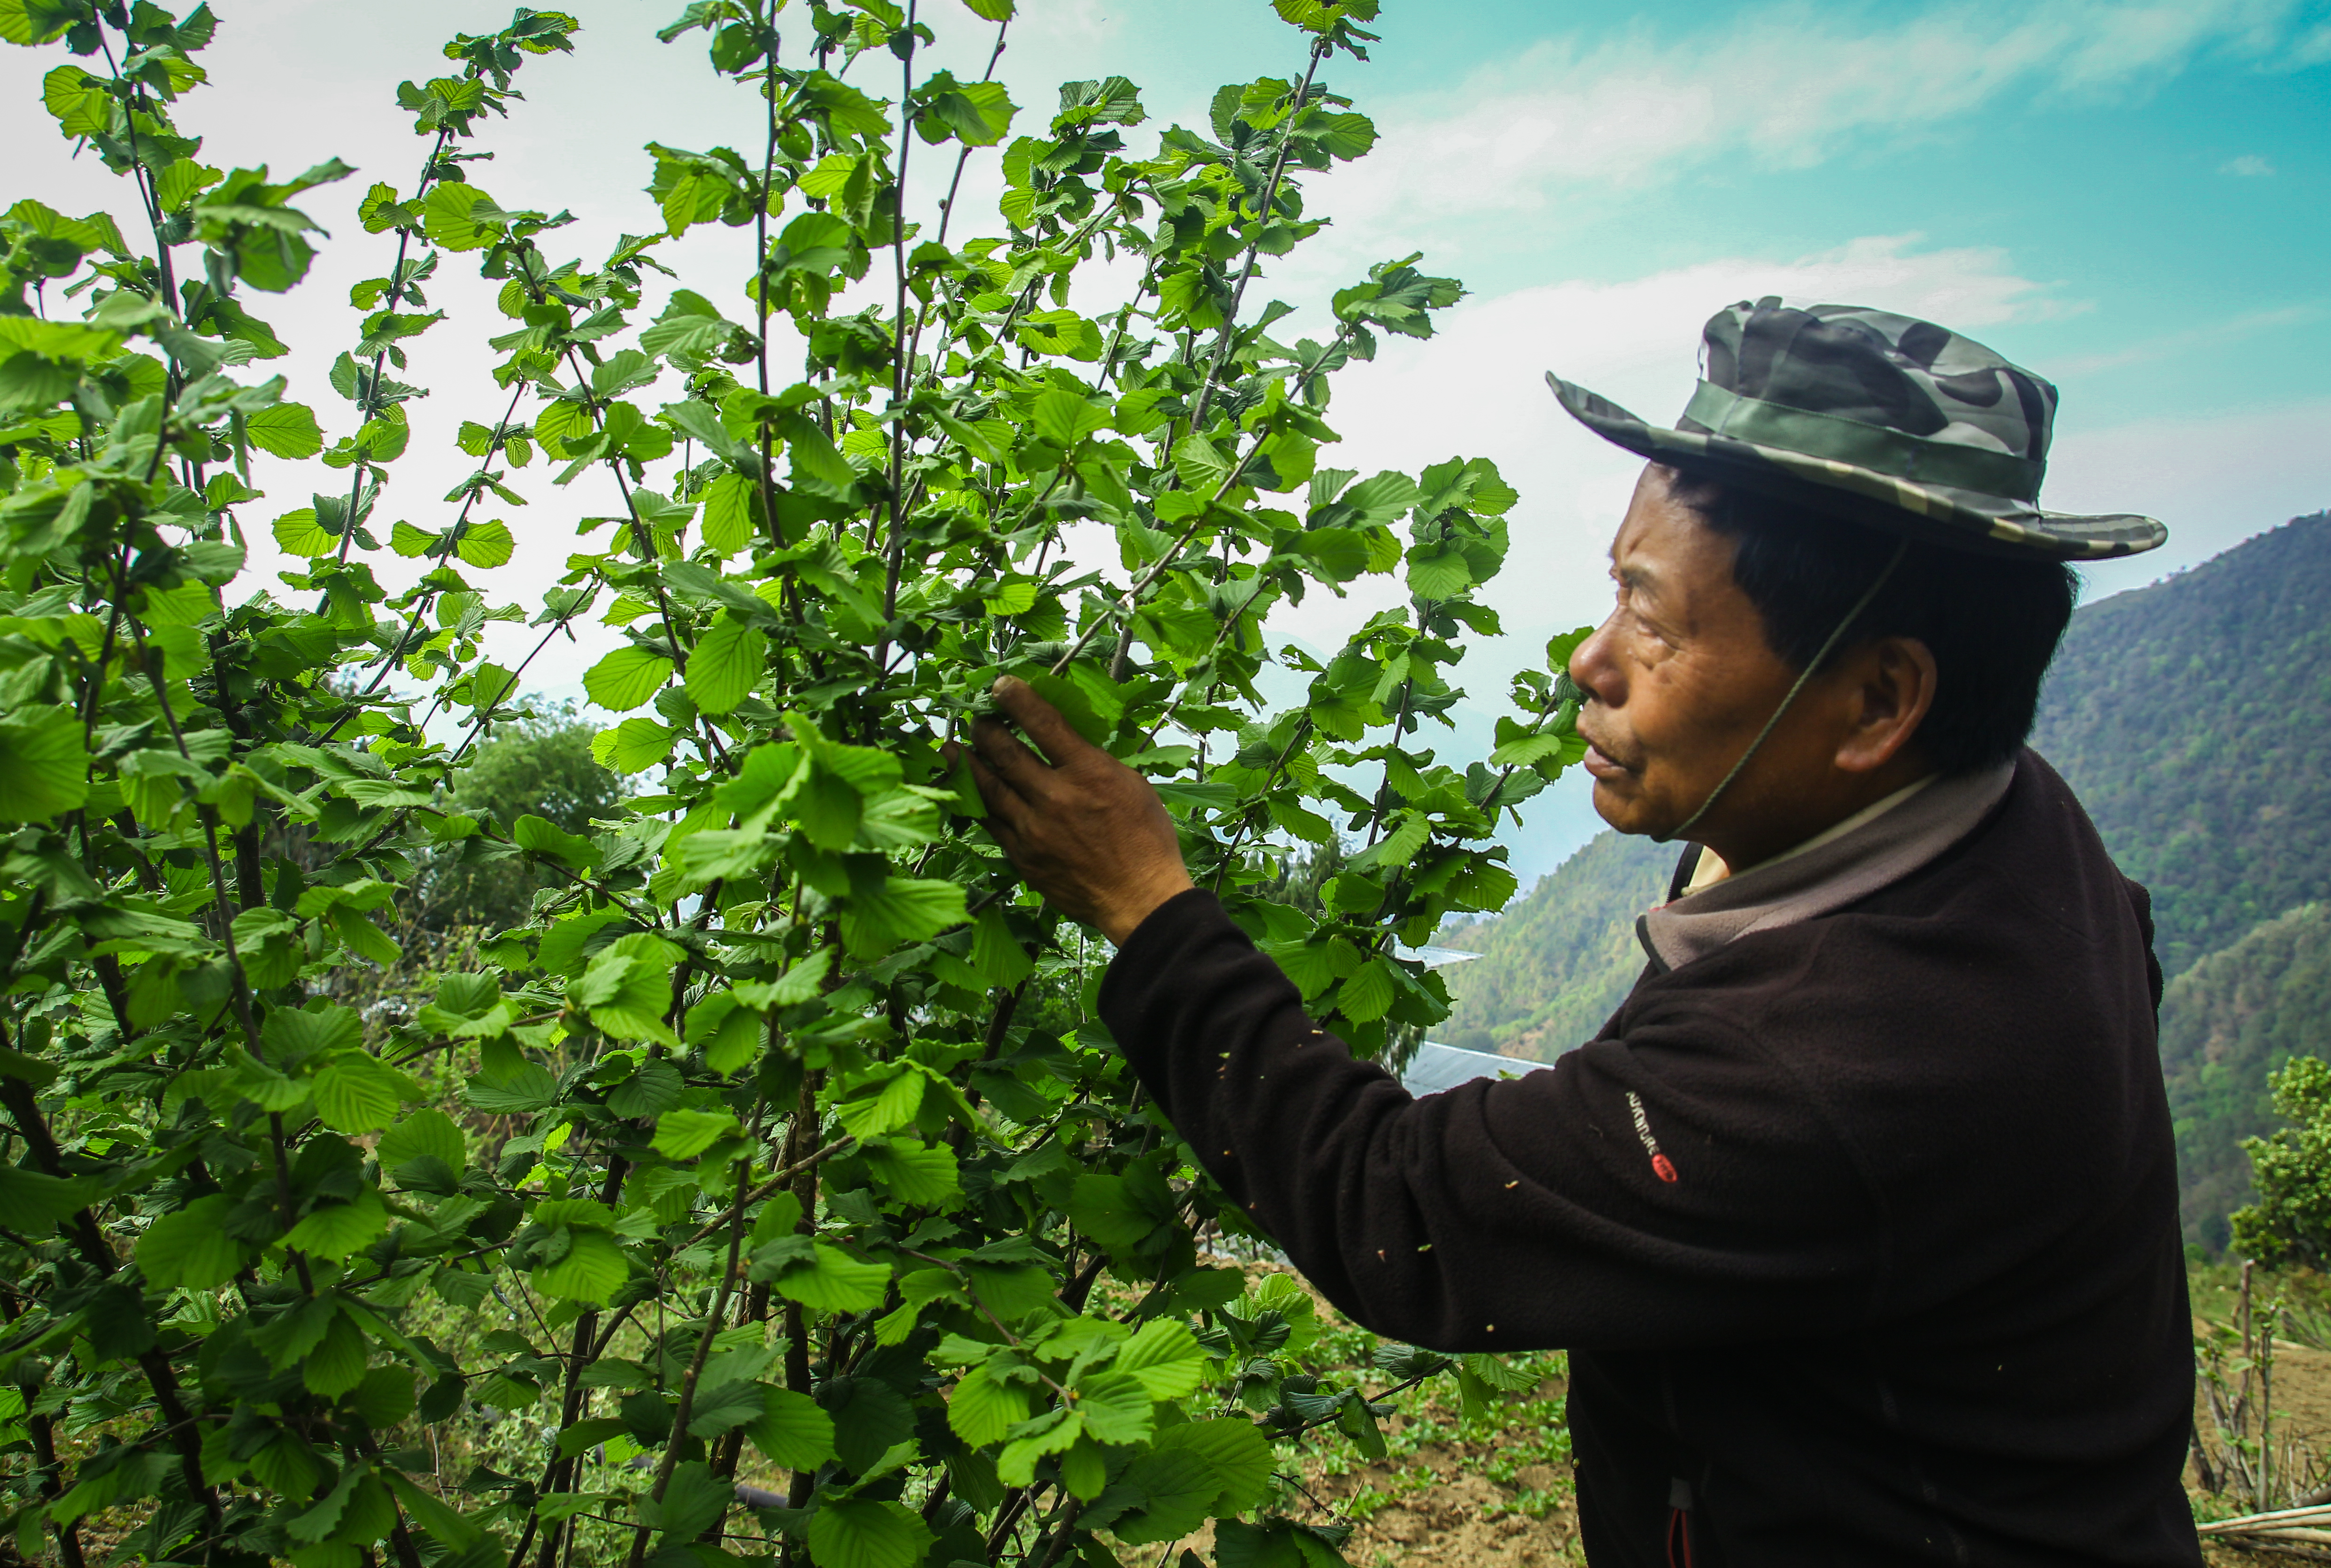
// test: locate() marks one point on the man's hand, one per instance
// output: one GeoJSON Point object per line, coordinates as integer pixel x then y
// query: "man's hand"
{"type": "Point", "coordinates": [1086, 831]}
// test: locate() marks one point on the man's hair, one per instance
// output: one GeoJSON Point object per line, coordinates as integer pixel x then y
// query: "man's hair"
{"type": "Point", "coordinates": [1991, 622]}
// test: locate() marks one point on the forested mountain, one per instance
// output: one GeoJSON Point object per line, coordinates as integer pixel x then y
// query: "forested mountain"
{"type": "Point", "coordinates": [2225, 1024]}
{"type": "Point", "coordinates": [2194, 717]}
{"type": "Point", "coordinates": [1555, 966]}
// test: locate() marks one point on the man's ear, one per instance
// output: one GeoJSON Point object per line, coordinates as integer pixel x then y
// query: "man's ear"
{"type": "Point", "coordinates": [1892, 688]}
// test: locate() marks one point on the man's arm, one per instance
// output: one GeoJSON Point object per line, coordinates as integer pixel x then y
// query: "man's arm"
{"type": "Point", "coordinates": [1672, 1188]}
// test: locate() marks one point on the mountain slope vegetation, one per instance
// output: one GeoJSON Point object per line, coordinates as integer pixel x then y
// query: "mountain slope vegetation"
{"type": "Point", "coordinates": [1557, 964]}
{"type": "Point", "coordinates": [2192, 718]}
{"type": "Point", "coordinates": [2225, 1024]}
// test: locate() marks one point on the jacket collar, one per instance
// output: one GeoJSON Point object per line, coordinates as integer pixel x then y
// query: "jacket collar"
{"type": "Point", "coordinates": [1873, 849]}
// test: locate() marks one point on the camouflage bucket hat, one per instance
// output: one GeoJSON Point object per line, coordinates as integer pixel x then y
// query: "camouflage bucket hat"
{"type": "Point", "coordinates": [1892, 421]}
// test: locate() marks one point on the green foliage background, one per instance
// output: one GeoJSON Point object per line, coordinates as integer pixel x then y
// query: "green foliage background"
{"type": "Point", "coordinates": [770, 1132]}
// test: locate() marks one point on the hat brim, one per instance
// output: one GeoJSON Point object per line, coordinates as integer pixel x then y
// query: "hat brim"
{"type": "Point", "coordinates": [1942, 515]}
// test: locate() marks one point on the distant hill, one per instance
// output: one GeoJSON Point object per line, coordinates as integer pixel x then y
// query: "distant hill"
{"type": "Point", "coordinates": [1556, 965]}
{"type": "Point", "coordinates": [2225, 1024]}
{"type": "Point", "coordinates": [2194, 717]}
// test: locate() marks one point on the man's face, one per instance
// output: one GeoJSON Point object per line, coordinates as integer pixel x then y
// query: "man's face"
{"type": "Point", "coordinates": [1679, 678]}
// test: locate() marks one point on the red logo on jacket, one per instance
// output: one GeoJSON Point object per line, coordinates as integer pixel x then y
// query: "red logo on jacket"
{"type": "Point", "coordinates": [1661, 1167]}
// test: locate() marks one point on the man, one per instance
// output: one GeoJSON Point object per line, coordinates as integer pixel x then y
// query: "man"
{"type": "Point", "coordinates": [1859, 1218]}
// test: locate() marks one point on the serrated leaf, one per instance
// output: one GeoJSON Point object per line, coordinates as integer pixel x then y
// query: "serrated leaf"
{"type": "Point", "coordinates": [486, 544]}
{"type": "Point", "coordinates": [285, 430]}
{"type": "Point", "coordinates": [793, 1431]}
{"type": "Point", "coordinates": [983, 1411]}
{"type": "Point", "coordinates": [833, 1281]}
{"type": "Point", "coordinates": [44, 766]}
{"type": "Point", "coordinates": [918, 1174]}
{"type": "Point", "coordinates": [301, 534]}
{"type": "Point", "coordinates": [626, 679]}
{"type": "Point", "coordinates": [902, 909]}
{"type": "Point", "coordinates": [358, 1095]}
{"type": "Point", "coordinates": [1240, 1454]}
{"type": "Point", "coordinates": [341, 1229]}
{"type": "Point", "coordinates": [693, 1499]}
{"type": "Point", "coordinates": [190, 1248]}
{"type": "Point", "coordinates": [633, 746]}
{"type": "Point", "coordinates": [592, 1270]}
{"type": "Point", "coordinates": [684, 1134]}
{"type": "Point", "coordinates": [733, 517]}
{"type": "Point", "coordinates": [726, 664]}
{"type": "Point", "coordinates": [426, 1134]}
{"type": "Point", "coordinates": [859, 1533]}
{"type": "Point", "coordinates": [1164, 1358]}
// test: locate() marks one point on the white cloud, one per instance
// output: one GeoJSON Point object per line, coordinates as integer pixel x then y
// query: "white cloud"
{"type": "Point", "coordinates": [2233, 329]}
{"type": "Point", "coordinates": [2215, 478]}
{"type": "Point", "coordinates": [1782, 87]}
{"type": "Point", "coordinates": [2250, 165]}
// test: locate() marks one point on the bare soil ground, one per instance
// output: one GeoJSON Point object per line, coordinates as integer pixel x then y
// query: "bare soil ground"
{"type": "Point", "coordinates": [2302, 1404]}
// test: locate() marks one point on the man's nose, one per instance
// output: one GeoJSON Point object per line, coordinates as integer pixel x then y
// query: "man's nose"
{"type": "Point", "coordinates": [1594, 671]}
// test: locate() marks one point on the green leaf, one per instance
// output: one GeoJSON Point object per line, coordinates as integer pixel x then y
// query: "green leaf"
{"type": "Point", "coordinates": [626, 679]}
{"type": "Point", "coordinates": [1240, 1454]}
{"type": "Point", "coordinates": [684, 1134]}
{"type": "Point", "coordinates": [902, 909]}
{"type": "Point", "coordinates": [984, 1411]}
{"type": "Point", "coordinates": [859, 1533]}
{"type": "Point", "coordinates": [1367, 995]}
{"type": "Point", "coordinates": [44, 766]}
{"type": "Point", "coordinates": [1164, 1358]}
{"type": "Point", "coordinates": [726, 664]}
{"type": "Point", "coordinates": [301, 534]}
{"type": "Point", "coordinates": [1115, 1407]}
{"type": "Point", "coordinates": [541, 836]}
{"type": "Point", "coordinates": [1439, 572]}
{"type": "Point", "coordinates": [486, 544]}
{"type": "Point", "coordinates": [1101, 1208]}
{"type": "Point", "coordinates": [31, 22]}
{"type": "Point", "coordinates": [190, 1248]}
{"type": "Point", "coordinates": [733, 517]}
{"type": "Point", "coordinates": [717, 1409]}
{"type": "Point", "coordinates": [833, 1281]}
{"type": "Point", "coordinates": [634, 746]}
{"type": "Point", "coordinates": [428, 1134]}
{"type": "Point", "coordinates": [358, 1095]}
{"type": "Point", "coordinates": [344, 1228]}
{"type": "Point", "coordinates": [793, 1431]}
{"type": "Point", "coordinates": [286, 430]}
{"type": "Point", "coordinates": [591, 1272]}
{"type": "Point", "coordinates": [1175, 1488]}
{"type": "Point", "coordinates": [918, 1174]}
{"type": "Point", "coordinates": [437, 1521]}
{"type": "Point", "coordinates": [460, 218]}
{"type": "Point", "coordinates": [693, 1499]}
{"type": "Point", "coordinates": [870, 1419]}
{"type": "Point", "coordinates": [589, 1434]}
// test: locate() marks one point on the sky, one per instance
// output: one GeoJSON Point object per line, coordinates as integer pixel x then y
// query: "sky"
{"type": "Point", "coordinates": [2127, 198]}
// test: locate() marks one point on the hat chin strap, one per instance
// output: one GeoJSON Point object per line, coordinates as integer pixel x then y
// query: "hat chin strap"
{"type": "Point", "coordinates": [1813, 664]}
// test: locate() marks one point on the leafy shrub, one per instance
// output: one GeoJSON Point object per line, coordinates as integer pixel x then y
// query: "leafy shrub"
{"type": "Point", "coordinates": [776, 1145]}
{"type": "Point", "coordinates": [2291, 1169]}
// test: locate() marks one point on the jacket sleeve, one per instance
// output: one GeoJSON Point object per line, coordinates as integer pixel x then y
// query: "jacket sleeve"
{"type": "Point", "coordinates": [1671, 1187]}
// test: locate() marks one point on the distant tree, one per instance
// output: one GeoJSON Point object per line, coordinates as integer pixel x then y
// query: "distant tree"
{"type": "Point", "coordinates": [2291, 1168]}
{"type": "Point", "coordinates": [539, 766]}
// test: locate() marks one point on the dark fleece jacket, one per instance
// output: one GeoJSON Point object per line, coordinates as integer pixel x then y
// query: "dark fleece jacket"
{"type": "Point", "coordinates": [1861, 1233]}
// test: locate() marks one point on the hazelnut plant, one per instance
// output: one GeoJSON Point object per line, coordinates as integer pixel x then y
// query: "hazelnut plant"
{"type": "Point", "coordinates": [784, 1117]}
